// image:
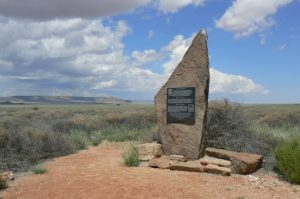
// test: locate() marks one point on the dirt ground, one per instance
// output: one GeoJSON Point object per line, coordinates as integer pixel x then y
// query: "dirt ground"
{"type": "Point", "coordinates": [98, 173]}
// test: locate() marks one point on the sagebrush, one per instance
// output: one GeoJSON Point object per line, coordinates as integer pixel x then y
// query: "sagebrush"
{"type": "Point", "coordinates": [288, 159]}
{"type": "Point", "coordinates": [230, 129]}
{"type": "Point", "coordinates": [29, 135]}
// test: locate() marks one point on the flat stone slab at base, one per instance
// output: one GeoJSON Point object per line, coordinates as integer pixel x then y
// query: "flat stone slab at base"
{"type": "Point", "coordinates": [144, 164]}
{"type": "Point", "coordinates": [216, 161]}
{"type": "Point", "coordinates": [193, 166]}
{"type": "Point", "coordinates": [179, 158]}
{"type": "Point", "coordinates": [148, 151]}
{"type": "Point", "coordinates": [163, 162]}
{"type": "Point", "coordinates": [241, 163]}
{"type": "Point", "coordinates": [215, 169]}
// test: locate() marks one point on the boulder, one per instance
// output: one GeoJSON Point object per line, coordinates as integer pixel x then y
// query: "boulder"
{"type": "Point", "coordinates": [215, 169]}
{"type": "Point", "coordinates": [7, 175]}
{"type": "Point", "coordinates": [149, 151]}
{"type": "Point", "coordinates": [193, 166]}
{"type": "Point", "coordinates": [187, 139]}
{"type": "Point", "coordinates": [216, 161]}
{"type": "Point", "coordinates": [144, 164]}
{"type": "Point", "coordinates": [179, 158]}
{"type": "Point", "coordinates": [241, 163]}
{"type": "Point", "coordinates": [163, 162]}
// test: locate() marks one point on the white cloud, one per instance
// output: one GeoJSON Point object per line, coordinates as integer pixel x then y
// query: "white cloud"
{"type": "Point", "coordinates": [38, 9]}
{"type": "Point", "coordinates": [246, 17]}
{"type": "Point", "coordinates": [220, 82]}
{"type": "Point", "coordinates": [105, 84]}
{"type": "Point", "coordinates": [176, 49]}
{"type": "Point", "coordinates": [74, 56]}
{"type": "Point", "coordinates": [263, 40]}
{"type": "Point", "coordinates": [171, 6]}
{"type": "Point", "coordinates": [282, 47]}
{"type": "Point", "coordinates": [86, 57]}
{"type": "Point", "coordinates": [150, 34]}
{"type": "Point", "coordinates": [237, 84]}
{"type": "Point", "coordinates": [5, 65]}
{"type": "Point", "coordinates": [146, 56]}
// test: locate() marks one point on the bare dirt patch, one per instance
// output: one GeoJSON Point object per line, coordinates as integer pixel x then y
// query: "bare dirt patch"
{"type": "Point", "coordinates": [99, 173]}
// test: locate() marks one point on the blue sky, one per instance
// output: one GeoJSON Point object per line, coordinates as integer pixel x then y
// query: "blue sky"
{"type": "Point", "coordinates": [128, 49]}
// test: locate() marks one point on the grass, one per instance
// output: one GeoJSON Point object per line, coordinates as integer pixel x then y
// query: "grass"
{"type": "Point", "coordinates": [131, 157]}
{"type": "Point", "coordinates": [79, 139]}
{"type": "Point", "coordinates": [96, 138]}
{"type": "Point", "coordinates": [39, 170]}
{"type": "Point", "coordinates": [288, 159]}
{"type": "Point", "coordinates": [275, 136]}
{"type": "Point", "coordinates": [29, 134]}
{"type": "Point", "coordinates": [256, 128]}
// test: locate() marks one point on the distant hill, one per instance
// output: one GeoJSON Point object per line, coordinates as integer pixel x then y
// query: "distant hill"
{"type": "Point", "coordinates": [61, 100]}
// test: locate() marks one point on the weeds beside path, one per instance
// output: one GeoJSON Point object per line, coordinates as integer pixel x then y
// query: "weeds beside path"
{"type": "Point", "coordinates": [99, 173]}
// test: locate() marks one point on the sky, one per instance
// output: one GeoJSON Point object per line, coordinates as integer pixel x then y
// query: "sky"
{"type": "Point", "coordinates": [129, 48]}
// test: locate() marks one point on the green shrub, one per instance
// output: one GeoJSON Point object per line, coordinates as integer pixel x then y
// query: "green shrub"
{"type": "Point", "coordinates": [121, 134]}
{"type": "Point", "coordinates": [79, 139]}
{"type": "Point", "coordinates": [131, 157]}
{"type": "Point", "coordinates": [35, 108]}
{"type": "Point", "coordinates": [39, 170]}
{"type": "Point", "coordinates": [274, 135]}
{"type": "Point", "coordinates": [3, 182]}
{"type": "Point", "coordinates": [96, 138]}
{"type": "Point", "coordinates": [229, 128]}
{"type": "Point", "coordinates": [3, 137]}
{"type": "Point", "coordinates": [288, 159]}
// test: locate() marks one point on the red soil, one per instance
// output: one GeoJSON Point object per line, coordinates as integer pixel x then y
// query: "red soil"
{"type": "Point", "coordinates": [98, 173]}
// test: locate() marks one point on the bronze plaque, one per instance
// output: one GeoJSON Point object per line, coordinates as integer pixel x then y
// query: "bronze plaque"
{"type": "Point", "coordinates": [181, 105]}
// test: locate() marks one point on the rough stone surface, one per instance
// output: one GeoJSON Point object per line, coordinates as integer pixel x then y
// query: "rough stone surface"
{"type": "Point", "coordinates": [215, 169]}
{"type": "Point", "coordinates": [7, 175]}
{"type": "Point", "coordinates": [163, 162]}
{"type": "Point", "coordinates": [241, 163]}
{"type": "Point", "coordinates": [148, 151]}
{"type": "Point", "coordinates": [193, 166]}
{"type": "Point", "coordinates": [216, 161]}
{"type": "Point", "coordinates": [179, 158]}
{"type": "Point", "coordinates": [192, 71]}
{"type": "Point", "coordinates": [144, 164]}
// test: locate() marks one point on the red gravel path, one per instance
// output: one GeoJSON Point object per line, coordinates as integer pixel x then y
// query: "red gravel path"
{"type": "Point", "coordinates": [98, 173]}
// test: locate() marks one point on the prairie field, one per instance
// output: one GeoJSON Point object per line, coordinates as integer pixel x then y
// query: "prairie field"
{"type": "Point", "coordinates": [32, 133]}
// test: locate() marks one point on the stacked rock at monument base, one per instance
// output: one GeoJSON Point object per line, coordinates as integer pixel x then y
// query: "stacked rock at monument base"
{"type": "Point", "coordinates": [184, 133]}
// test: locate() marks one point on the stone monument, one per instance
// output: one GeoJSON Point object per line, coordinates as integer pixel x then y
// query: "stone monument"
{"type": "Point", "coordinates": [181, 104]}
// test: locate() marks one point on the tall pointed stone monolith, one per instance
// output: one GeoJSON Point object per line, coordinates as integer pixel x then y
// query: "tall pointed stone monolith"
{"type": "Point", "coordinates": [181, 104]}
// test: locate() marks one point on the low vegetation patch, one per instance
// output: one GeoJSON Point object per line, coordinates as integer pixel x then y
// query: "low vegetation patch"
{"type": "Point", "coordinates": [29, 134]}
{"type": "Point", "coordinates": [79, 139]}
{"type": "Point", "coordinates": [131, 157]}
{"type": "Point", "coordinates": [288, 159]}
{"type": "Point", "coordinates": [229, 128]}
{"type": "Point", "coordinates": [96, 138]}
{"type": "Point", "coordinates": [39, 170]}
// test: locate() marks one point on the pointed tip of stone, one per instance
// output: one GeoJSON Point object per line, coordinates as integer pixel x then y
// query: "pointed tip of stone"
{"type": "Point", "coordinates": [202, 31]}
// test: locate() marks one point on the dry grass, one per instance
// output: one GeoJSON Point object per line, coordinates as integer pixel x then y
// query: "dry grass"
{"type": "Point", "coordinates": [28, 135]}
